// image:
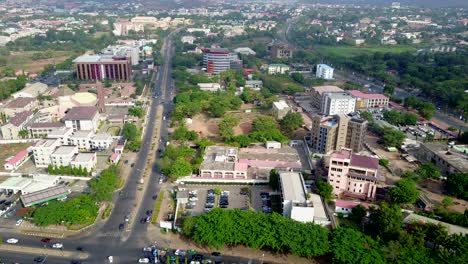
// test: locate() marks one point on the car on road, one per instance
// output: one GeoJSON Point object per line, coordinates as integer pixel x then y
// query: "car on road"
{"type": "Point", "coordinates": [148, 219]}
{"type": "Point", "coordinates": [57, 245]}
{"type": "Point", "coordinates": [147, 249]}
{"type": "Point", "coordinates": [110, 258]}
{"type": "Point", "coordinates": [39, 259]}
{"type": "Point", "coordinates": [216, 254]}
{"type": "Point", "coordinates": [121, 227]}
{"type": "Point", "coordinates": [12, 241]}
{"type": "Point", "coordinates": [143, 260]}
{"type": "Point", "coordinates": [45, 240]}
{"type": "Point", "coordinates": [79, 248]}
{"type": "Point", "coordinates": [19, 222]}
{"type": "Point", "coordinates": [75, 262]}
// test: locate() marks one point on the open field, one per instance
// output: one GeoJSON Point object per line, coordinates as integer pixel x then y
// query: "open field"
{"type": "Point", "coordinates": [8, 150]}
{"type": "Point", "coordinates": [24, 60]}
{"type": "Point", "coordinates": [348, 51]}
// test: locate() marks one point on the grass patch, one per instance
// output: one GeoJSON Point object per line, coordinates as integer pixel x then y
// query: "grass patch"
{"type": "Point", "coordinates": [107, 212]}
{"type": "Point", "coordinates": [349, 51]}
{"type": "Point", "coordinates": [121, 183]}
{"type": "Point", "coordinates": [157, 207]}
{"type": "Point", "coordinates": [113, 130]}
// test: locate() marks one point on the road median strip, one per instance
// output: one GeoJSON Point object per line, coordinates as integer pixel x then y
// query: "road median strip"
{"type": "Point", "coordinates": [45, 251]}
{"type": "Point", "coordinates": [157, 207]}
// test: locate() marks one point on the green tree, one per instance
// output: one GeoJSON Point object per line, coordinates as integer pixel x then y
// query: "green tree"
{"type": "Point", "coordinates": [24, 133]}
{"type": "Point", "coordinates": [428, 171]}
{"type": "Point", "coordinates": [367, 116]}
{"type": "Point", "coordinates": [103, 187]}
{"type": "Point", "coordinates": [386, 221]}
{"type": "Point", "coordinates": [324, 189]}
{"type": "Point", "coordinates": [357, 214]}
{"type": "Point", "coordinates": [393, 138]}
{"type": "Point", "coordinates": [291, 121]}
{"type": "Point", "coordinates": [107, 83]}
{"type": "Point", "coordinates": [404, 192]}
{"type": "Point", "coordinates": [274, 180]}
{"type": "Point", "coordinates": [457, 185]}
{"type": "Point", "coordinates": [130, 131]}
{"type": "Point", "coordinates": [384, 162]}
{"type": "Point", "coordinates": [226, 126]}
{"type": "Point", "coordinates": [180, 168]}
{"type": "Point", "coordinates": [349, 246]}
{"type": "Point", "coordinates": [136, 111]}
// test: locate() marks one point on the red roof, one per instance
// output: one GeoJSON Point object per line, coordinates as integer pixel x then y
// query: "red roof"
{"type": "Point", "coordinates": [114, 157]}
{"type": "Point", "coordinates": [364, 161]}
{"type": "Point", "coordinates": [345, 204]}
{"type": "Point", "coordinates": [357, 93]}
{"type": "Point", "coordinates": [18, 157]}
{"type": "Point", "coordinates": [216, 51]}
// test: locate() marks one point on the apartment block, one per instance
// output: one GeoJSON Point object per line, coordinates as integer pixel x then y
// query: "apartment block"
{"type": "Point", "coordinates": [101, 141]}
{"type": "Point", "coordinates": [278, 69]}
{"type": "Point", "coordinates": [84, 160]}
{"type": "Point", "coordinates": [448, 158]}
{"type": "Point", "coordinates": [317, 94]}
{"type": "Point", "coordinates": [338, 104]}
{"type": "Point", "coordinates": [330, 133]}
{"type": "Point", "coordinates": [17, 123]}
{"type": "Point", "coordinates": [63, 155]}
{"type": "Point", "coordinates": [369, 101]}
{"type": "Point", "coordinates": [280, 51]}
{"type": "Point", "coordinates": [280, 109]}
{"type": "Point", "coordinates": [82, 118]}
{"type": "Point", "coordinates": [42, 151]}
{"type": "Point", "coordinates": [81, 139]}
{"type": "Point", "coordinates": [41, 130]}
{"type": "Point", "coordinates": [324, 71]}
{"type": "Point", "coordinates": [353, 175]}
{"type": "Point", "coordinates": [62, 134]}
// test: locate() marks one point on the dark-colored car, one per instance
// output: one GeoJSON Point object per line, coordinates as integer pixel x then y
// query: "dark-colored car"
{"type": "Point", "coordinates": [46, 240]}
{"type": "Point", "coordinates": [197, 257]}
{"type": "Point", "coordinates": [149, 212]}
{"type": "Point", "coordinates": [216, 254]}
{"type": "Point", "coordinates": [132, 165]}
{"type": "Point", "coordinates": [75, 262]}
{"type": "Point", "coordinates": [121, 227]}
{"type": "Point", "coordinates": [39, 259]}
{"type": "Point", "coordinates": [154, 197]}
{"type": "Point", "coordinates": [80, 248]}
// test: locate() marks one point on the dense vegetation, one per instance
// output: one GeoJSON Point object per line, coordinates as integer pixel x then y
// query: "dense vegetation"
{"type": "Point", "coordinates": [82, 209]}
{"type": "Point", "coordinates": [457, 185]}
{"type": "Point", "coordinates": [9, 87]}
{"type": "Point", "coordinates": [133, 136]}
{"type": "Point", "coordinates": [400, 118]}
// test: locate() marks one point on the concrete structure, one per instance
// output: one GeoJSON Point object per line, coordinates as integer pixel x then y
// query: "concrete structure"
{"type": "Point", "coordinates": [245, 51]}
{"type": "Point", "coordinates": [221, 162]}
{"type": "Point", "coordinates": [353, 175]}
{"type": "Point", "coordinates": [280, 109]}
{"type": "Point", "coordinates": [42, 151]}
{"type": "Point", "coordinates": [62, 134]}
{"type": "Point", "coordinates": [368, 101]}
{"type": "Point", "coordinates": [83, 99]}
{"type": "Point", "coordinates": [81, 139]}
{"type": "Point", "coordinates": [101, 141]}
{"type": "Point", "coordinates": [32, 90]}
{"type": "Point", "coordinates": [273, 145]}
{"type": "Point", "coordinates": [100, 67]}
{"type": "Point", "coordinates": [187, 39]}
{"type": "Point", "coordinates": [63, 155]}
{"type": "Point", "coordinates": [84, 160]}
{"type": "Point", "coordinates": [444, 157]}
{"type": "Point", "coordinates": [278, 69]}
{"type": "Point", "coordinates": [217, 60]}
{"type": "Point", "coordinates": [27, 185]}
{"type": "Point", "coordinates": [41, 130]}
{"type": "Point", "coordinates": [210, 87]}
{"type": "Point", "coordinates": [42, 196]}
{"type": "Point", "coordinates": [317, 94]}
{"type": "Point", "coordinates": [337, 104]}
{"type": "Point", "coordinates": [132, 52]}
{"type": "Point", "coordinates": [255, 85]}
{"type": "Point", "coordinates": [324, 71]}
{"type": "Point", "coordinates": [280, 51]}
{"type": "Point", "coordinates": [14, 162]}
{"type": "Point", "coordinates": [412, 218]}
{"type": "Point", "coordinates": [296, 204]}
{"type": "Point", "coordinates": [19, 122]}
{"type": "Point", "coordinates": [19, 105]}
{"type": "Point", "coordinates": [122, 28]}
{"type": "Point", "coordinates": [82, 118]}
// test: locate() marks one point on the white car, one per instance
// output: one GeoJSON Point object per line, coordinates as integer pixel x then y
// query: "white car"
{"type": "Point", "coordinates": [193, 199]}
{"type": "Point", "coordinates": [179, 252]}
{"type": "Point", "coordinates": [57, 245]}
{"type": "Point", "coordinates": [111, 259]}
{"type": "Point", "coordinates": [143, 260]}
{"type": "Point", "coordinates": [147, 249]}
{"type": "Point", "coordinates": [12, 241]}
{"type": "Point", "coordinates": [19, 222]}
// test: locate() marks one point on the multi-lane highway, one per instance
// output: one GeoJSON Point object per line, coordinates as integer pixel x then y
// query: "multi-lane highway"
{"type": "Point", "coordinates": [106, 240]}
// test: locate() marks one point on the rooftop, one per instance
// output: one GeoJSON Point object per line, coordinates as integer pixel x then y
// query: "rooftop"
{"type": "Point", "coordinates": [454, 158]}
{"type": "Point", "coordinates": [280, 105]}
{"type": "Point", "coordinates": [47, 125]}
{"type": "Point", "coordinates": [81, 113]}
{"type": "Point", "coordinates": [325, 66]}
{"type": "Point", "coordinates": [336, 95]}
{"type": "Point", "coordinates": [65, 150]}
{"type": "Point", "coordinates": [19, 156]}
{"type": "Point", "coordinates": [43, 195]}
{"type": "Point", "coordinates": [364, 161]}
{"type": "Point", "coordinates": [292, 186]}
{"type": "Point", "coordinates": [452, 229]}
{"type": "Point", "coordinates": [20, 118]}
{"type": "Point", "coordinates": [327, 89]}
{"type": "Point", "coordinates": [82, 134]}
{"type": "Point", "coordinates": [216, 50]}
{"type": "Point", "coordinates": [102, 136]}
{"type": "Point", "coordinates": [357, 93]}
{"type": "Point", "coordinates": [46, 143]}
{"type": "Point", "coordinates": [20, 102]}
{"type": "Point", "coordinates": [56, 133]}
{"type": "Point", "coordinates": [84, 157]}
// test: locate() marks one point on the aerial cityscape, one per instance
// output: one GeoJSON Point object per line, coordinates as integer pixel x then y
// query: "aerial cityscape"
{"type": "Point", "coordinates": [234, 132]}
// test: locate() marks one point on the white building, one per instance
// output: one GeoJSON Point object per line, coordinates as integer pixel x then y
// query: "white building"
{"type": "Point", "coordinates": [245, 51]}
{"type": "Point", "coordinates": [338, 104]}
{"type": "Point", "coordinates": [62, 134]}
{"type": "Point", "coordinates": [278, 69]}
{"type": "Point", "coordinates": [42, 151]}
{"type": "Point", "coordinates": [188, 39]}
{"type": "Point", "coordinates": [82, 118]}
{"type": "Point", "coordinates": [84, 160]}
{"type": "Point", "coordinates": [296, 204]}
{"type": "Point", "coordinates": [133, 52]}
{"type": "Point", "coordinates": [101, 141]}
{"type": "Point", "coordinates": [280, 109]}
{"type": "Point", "coordinates": [255, 85]}
{"type": "Point", "coordinates": [324, 71]}
{"type": "Point", "coordinates": [210, 87]}
{"type": "Point", "coordinates": [63, 155]}
{"type": "Point", "coordinates": [81, 139]}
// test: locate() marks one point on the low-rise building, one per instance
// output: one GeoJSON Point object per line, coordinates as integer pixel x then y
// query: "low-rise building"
{"type": "Point", "coordinates": [32, 90]}
{"type": "Point", "coordinates": [353, 175]}
{"type": "Point", "coordinates": [280, 109]}
{"type": "Point", "coordinates": [209, 87]}
{"type": "Point", "coordinates": [82, 118]}
{"type": "Point", "coordinates": [42, 151]}
{"type": "Point", "coordinates": [14, 162]}
{"type": "Point", "coordinates": [280, 51]}
{"type": "Point", "coordinates": [445, 157]}
{"type": "Point", "coordinates": [41, 130]}
{"type": "Point", "coordinates": [255, 85]}
{"type": "Point", "coordinates": [62, 134]}
{"type": "Point", "coordinates": [63, 155]}
{"type": "Point", "coordinates": [324, 71]}
{"type": "Point", "coordinates": [245, 51]}
{"type": "Point", "coordinates": [16, 124]}
{"type": "Point", "coordinates": [296, 202]}
{"type": "Point", "coordinates": [19, 105]}
{"type": "Point", "coordinates": [85, 161]}
{"type": "Point", "coordinates": [81, 139]}
{"type": "Point", "coordinates": [188, 39]}
{"type": "Point", "coordinates": [368, 101]}
{"type": "Point", "coordinates": [278, 69]}
{"type": "Point", "coordinates": [101, 141]}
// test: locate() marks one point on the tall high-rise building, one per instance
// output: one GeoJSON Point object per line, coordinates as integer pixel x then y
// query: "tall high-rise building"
{"type": "Point", "coordinates": [338, 104]}
{"type": "Point", "coordinates": [217, 60]}
{"type": "Point", "coordinates": [330, 133]}
{"type": "Point", "coordinates": [100, 67]}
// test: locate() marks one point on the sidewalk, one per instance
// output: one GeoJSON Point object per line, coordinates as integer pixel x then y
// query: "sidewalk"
{"type": "Point", "coordinates": [45, 251]}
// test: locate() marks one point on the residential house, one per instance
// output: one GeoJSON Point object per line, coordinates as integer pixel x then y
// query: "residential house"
{"type": "Point", "coordinates": [16, 124]}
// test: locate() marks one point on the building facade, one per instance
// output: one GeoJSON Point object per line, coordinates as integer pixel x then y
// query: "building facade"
{"type": "Point", "coordinates": [41, 130]}
{"type": "Point", "coordinates": [324, 71]}
{"type": "Point", "coordinates": [42, 151]}
{"type": "Point", "coordinates": [317, 94]}
{"type": "Point", "coordinates": [338, 104]}
{"type": "Point", "coordinates": [369, 101]}
{"type": "Point", "coordinates": [100, 67]}
{"type": "Point", "coordinates": [16, 124]}
{"type": "Point", "coordinates": [82, 118]}
{"type": "Point", "coordinates": [63, 155]}
{"type": "Point", "coordinates": [280, 51]}
{"type": "Point", "coordinates": [217, 60]}
{"type": "Point", "coordinates": [445, 157]}
{"type": "Point", "coordinates": [280, 109]}
{"type": "Point", "coordinates": [85, 161]}
{"type": "Point", "coordinates": [278, 69]}
{"type": "Point", "coordinates": [353, 175]}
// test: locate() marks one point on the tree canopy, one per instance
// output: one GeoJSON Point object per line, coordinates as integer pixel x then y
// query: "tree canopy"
{"type": "Point", "coordinates": [404, 192]}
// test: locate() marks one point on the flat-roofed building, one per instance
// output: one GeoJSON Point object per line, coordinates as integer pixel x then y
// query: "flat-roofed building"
{"type": "Point", "coordinates": [31, 90]}
{"type": "Point", "coordinates": [369, 101]}
{"type": "Point", "coordinates": [101, 141]}
{"type": "Point", "coordinates": [217, 60]}
{"type": "Point", "coordinates": [101, 67]}
{"type": "Point", "coordinates": [82, 118]}
{"type": "Point", "coordinates": [278, 68]}
{"type": "Point", "coordinates": [353, 175]}
{"type": "Point", "coordinates": [444, 157]}
{"type": "Point", "coordinates": [42, 196]}
{"type": "Point", "coordinates": [324, 71]}
{"type": "Point", "coordinates": [63, 155]}
{"type": "Point", "coordinates": [337, 104]}
{"type": "Point", "coordinates": [41, 130]}
{"type": "Point", "coordinates": [62, 134]}
{"type": "Point", "coordinates": [317, 94]}
{"type": "Point", "coordinates": [210, 87]}
{"type": "Point", "coordinates": [280, 109]}
{"type": "Point", "coordinates": [85, 161]}
{"type": "Point", "coordinates": [296, 204]}
{"type": "Point", "coordinates": [42, 151]}
{"type": "Point", "coordinates": [255, 85]}
{"type": "Point", "coordinates": [81, 139]}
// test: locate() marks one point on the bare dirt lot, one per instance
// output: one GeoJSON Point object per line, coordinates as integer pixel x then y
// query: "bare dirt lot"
{"type": "Point", "coordinates": [24, 61]}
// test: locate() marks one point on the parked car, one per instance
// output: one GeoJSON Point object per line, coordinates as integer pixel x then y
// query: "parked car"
{"type": "Point", "coordinates": [57, 246]}
{"type": "Point", "coordinates": [143, 260]}
{"type": "Point", "coordinates": [39, 259]}
{"type": "Point", "coordinates": [147, 249]}
{"type": "Point", "coordinates": [45, 240]}
{"type": "Point", "coordinates": [12, 241]}
{"type": "Point", "coordinates": [110, 258]}
{"type": "Point", "coordinates": [121, 227]}
{"type": "Point", "coordinates": [19, 222]}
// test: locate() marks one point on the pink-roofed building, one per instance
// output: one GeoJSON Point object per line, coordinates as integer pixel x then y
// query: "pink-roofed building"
{"type": "Point", "coordinates": [366, 101]}
{"type": "Point", "coordinates": [114, 158]}
{"type": "Point", "coordinates": [14, 162]}
{"type": "Point", "coordinates": [353, 175]}
{"type": "Point", "coordinates": [346, 207]}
